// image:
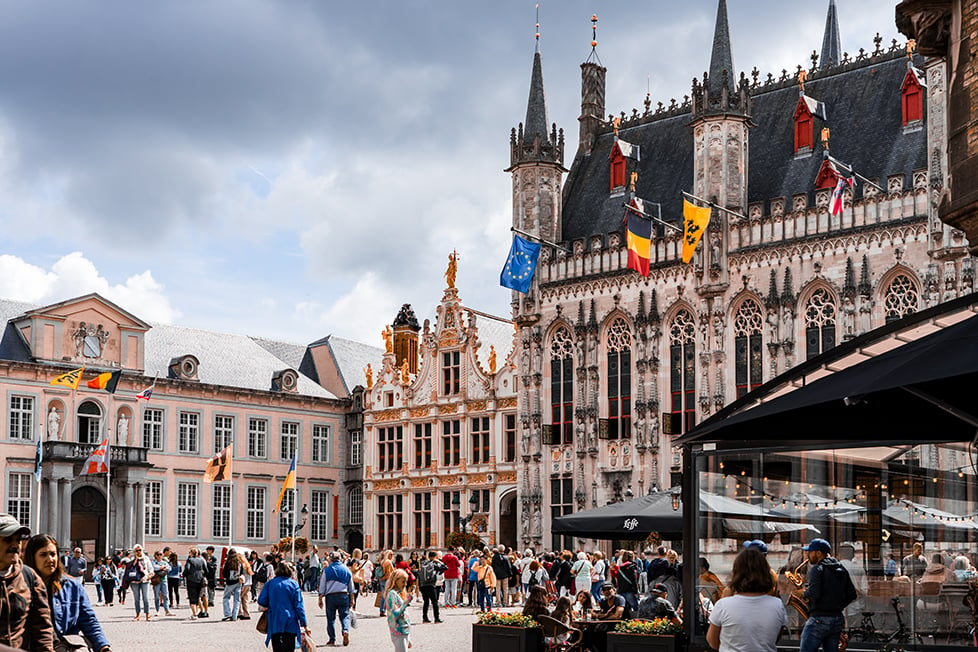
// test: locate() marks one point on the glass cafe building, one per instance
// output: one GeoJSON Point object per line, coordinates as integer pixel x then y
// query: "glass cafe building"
{"type": "Point", "coordinates": [871, 446]}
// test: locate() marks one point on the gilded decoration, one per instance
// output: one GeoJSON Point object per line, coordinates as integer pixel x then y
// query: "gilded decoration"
{"type": "Point", "coordinates": [507, 402]}
{"type": "Point", "coordinates": [448, 409]}
{"type": "Point", "coordinates": [387, 485]}
{"type": "Point", "coordinates": [476, 406]}
{"type": "Point", "coordinates": [419, 482]}
{"type": "Point", "coordinates": [417, 413]}
{"type": "Point", "coordinates": [506, 476]}
{"type": "Point", "coordinates": [448, 338]}
{"type": "Point", "coordinates": [477, 478]}
{"type": "Point", "coordinates": [387, 415]}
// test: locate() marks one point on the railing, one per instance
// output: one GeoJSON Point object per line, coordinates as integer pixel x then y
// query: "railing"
{"type": "Point", "coordinates": [76, 451]}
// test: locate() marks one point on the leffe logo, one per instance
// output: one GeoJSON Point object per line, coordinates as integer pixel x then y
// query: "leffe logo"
{"type": "Point", "coordinates": [631, 524]}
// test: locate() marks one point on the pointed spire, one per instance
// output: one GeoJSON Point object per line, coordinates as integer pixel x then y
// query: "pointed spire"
{"type": "Point", "coordinates": [773, 301]}
{"type": "Point", "coordinates": [865, 287]}
{"type": "Point", "coordinates": [536, 139]}
{"type": "Point", "coordinates": [641, 318]}
{"type": "Point", "coordinates": [592, 321]}
{"type": "Point", "coordinates": [721, 62]}
{"type": "Point", "coordinates": [849, 285]}
{"type": "Point", "coordinates": [831, 43]}
{"type": "Point", "coordinates": [654, 309]}
{"type": "Point", "coordinates": [788, 294]}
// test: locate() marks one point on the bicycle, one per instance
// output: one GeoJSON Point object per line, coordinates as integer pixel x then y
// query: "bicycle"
{"type": "Point", "coordinates": [866, 632]}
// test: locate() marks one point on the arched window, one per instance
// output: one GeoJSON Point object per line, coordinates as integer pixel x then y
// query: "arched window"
{"type": "Point", "coordinates": [682, 371]}
{"type": "Point", "coordinates": [89, 423]}
{"type": "Point", "coordinates": [901, 298]}
{"type": "Point", "coordinates": [820, 315]}
{"type": "Point", "coordinates": [562, 387]}
{"type": "Point", "coordinates": [619, 380]}
{"type": "Point", "coordinates": [748, 350]}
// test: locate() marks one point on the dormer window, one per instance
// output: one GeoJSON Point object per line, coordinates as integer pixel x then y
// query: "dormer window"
{"type": "Point", "coordinates": [804, 127]}
{"type": "Point", "coordinates": [621, 151]}
{"type": "Point", "coordinates": [912, 93]}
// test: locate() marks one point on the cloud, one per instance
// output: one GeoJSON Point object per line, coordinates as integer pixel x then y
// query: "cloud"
{"type": "Point", "coordinates": [360, 314]}
{"type": "Point", "coordinates": [74, 275]}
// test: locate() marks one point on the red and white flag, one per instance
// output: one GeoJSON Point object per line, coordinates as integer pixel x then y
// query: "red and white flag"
{"type": "Point", "coordinates": [98, 462]}
{"type": "Point", "coordinates": [837, 203]}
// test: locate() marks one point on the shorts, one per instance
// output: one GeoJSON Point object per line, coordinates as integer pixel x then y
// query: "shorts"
{"type": "Point", "coordinates": [193, 592]}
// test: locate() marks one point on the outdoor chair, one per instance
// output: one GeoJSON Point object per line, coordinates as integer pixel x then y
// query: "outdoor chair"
{"type": "Point", "coordinates": [558, 637]}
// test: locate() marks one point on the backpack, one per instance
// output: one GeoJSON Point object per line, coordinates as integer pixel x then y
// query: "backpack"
{"type": "Point", "coordinates": [534, 580]}
{"type": "Point", "coordinates": [261, 575]}
{"type": "Point", "coordinates": [427, 576]}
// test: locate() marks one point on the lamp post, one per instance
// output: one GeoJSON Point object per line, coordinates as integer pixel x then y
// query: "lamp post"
{"type": "Point", "coordinates": [463, 521]}
{"type": "Point", "coordinates": [295, 528]}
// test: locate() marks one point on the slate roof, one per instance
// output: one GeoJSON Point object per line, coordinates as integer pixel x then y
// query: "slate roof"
{"type": "Point", "coordinates": [497, 332]}
{"type": "Point", "coordinates": [351, 359]}
{"type": "Point", "coordinates": [536, 105]}
{"type": "Point", "coordinates": [862, 100]}
{"type": "Point", "coordinates": [722, 56]}
{"type": "Point", "coordinates": [12, 346]}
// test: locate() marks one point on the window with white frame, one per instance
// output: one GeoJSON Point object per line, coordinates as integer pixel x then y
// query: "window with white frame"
{"type": "Point", "coordinates": [451, 372]}
{"type": "Point", "coordinates": [287, 517]}
{"type": "Point", "coordinates": [256, 513]}
{"type": "Point", "coordinates": [223, 432]}
{"type": "Point", "coordinates": [153, 429]}
{"type": "Point", "coordinates": [187, 509]}
{"type": "Point", "coordinates": [221, 514]}
{"type": "Point", "coordinates": [422, 519]}
{"type": "Point", "coordinates": [153, 509]}
{"type": "Point", "coordinates": [449, 514]}
{"type": "Point", "coordinates": [356, 448]}
{"type": "Point", "coordinates": [290, 440]}
{"type": "Point", "coordinates": [422, 445]}
{"type": "Point", "coordinates": [390, 515]}
{"type": "Point", "coordinates": [320, 443]}
{"type": "Point", "coordinates": [480, 440]}
{"type": "Point", "coordinates": [509, 437]}
{"type": "Point", "coordinates": [319, 515]}
{"type": "Point", "coordinates": [19, 496]}
{"type": "Point", "coordinates": [451, 442]}
{"type": "Point", "coordinates": [257, 438]}
{"type": "Point", "coordinates": [21, 418]}
{"type": "Point", "coordinates": [188, 432]}
{"type": "Point", "coordinates": [390, 448]}
{"type": "Point", "coordinates": [356, 506]}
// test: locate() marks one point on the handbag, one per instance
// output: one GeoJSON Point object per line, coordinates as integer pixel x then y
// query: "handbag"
{"type": "Point", "coordinates": [134, 572]}
{"type": "Point", "coordinates": [307, 644]}
{"type": "Point", "coordinates": [70, 643]}
{"type": "Point", "coordinates": [262, 624]}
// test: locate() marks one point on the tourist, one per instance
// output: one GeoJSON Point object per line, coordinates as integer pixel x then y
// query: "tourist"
{"type": "Point", "coordinates": [195, 575]}
{"type": "Point", "coordinates": [583, 604]}
{"type": "Point", "coordinates": [658, 605]}
{"type": "Point", "coordinates": [397, 599]}
{"type": "Point", "coordinates": [107, 579]}
{"type": "Point", "coordinates": [161, 568]}
{"type": "Point", "coordinates": [428, 574]}
{"type": "Point", "coordinates": [453, 567]}
{"type": "Point", "coordinates": [336, 594]}
{"type": "Point", "coordinates": [173, 579]}
{"type": "Point", "coordinates": [24, 612]}
{"type": "Point", "coordinates": [750, 619]}
{"type": "Point", "coordinates": [537, 602]}
{"type": "Point", "coordinates": [281, 597]}
{"type": "Point", "coordinates": [231, 574]}
{"type": "Point", "coordinates": [138, 573]}
{"type": "Point", "coordinates": [485, 582]}
{"type": "Point", "coordinates": [829, 591]}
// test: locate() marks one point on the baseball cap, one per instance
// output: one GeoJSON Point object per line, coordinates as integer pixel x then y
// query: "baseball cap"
{"type": "Point", "coordinates": [9, 527]}
{"type": "Point", "coordinates": [659, 588]}
{"type": "Point", "coordinates": [756, 543]}
{"type": "Point", "coordinates": [607, 585]}
{"type": "Point", "coordinates": [818, 544]}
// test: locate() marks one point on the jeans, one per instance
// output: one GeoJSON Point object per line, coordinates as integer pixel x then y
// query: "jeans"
{"type": "Point", "coordinates": [98, 587]}
{"type": "Point", "coordinates": [173, 584]}
{"type": "Point", "coordinates": [159, 595]}
{"type": "Point", "coordinates": [631, 600]}
{"type": "Point", "coordinates": [451, 592]}
{"type": "Point", "coordinates": [400, 642]}
{"type": "Point", "coordinates": [232, 600]}
{"type": "Point", "coordinates": [485, 596]}
{"type": "Point", "coordinates": [140, 590]}
{"type": "Point", "coordinates": [596, 591]}
{"type": "Point", "coordinates": [337, 604]}
{"type": "Point", "coordinates": [430, 595]}
{"type": "Point", "coordinates": [821, 632]}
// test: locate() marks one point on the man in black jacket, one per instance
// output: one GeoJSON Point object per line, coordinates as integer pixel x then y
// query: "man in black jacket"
{"type": "Point", "coordinates": [829, 590]}
{"type": "Point", "coordinates": [501, 567]}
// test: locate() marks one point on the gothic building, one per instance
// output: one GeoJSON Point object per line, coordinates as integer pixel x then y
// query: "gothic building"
{"type": "Point", "coordinates": [610, 364]}
{"type": "Point", "coordinates": [441, 430]}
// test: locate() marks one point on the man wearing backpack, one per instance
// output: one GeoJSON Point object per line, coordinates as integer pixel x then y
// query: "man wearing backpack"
{"type": "Point", "coordinates": [260, 566]}
{"type": "Point", "coordinates": [427, 582]}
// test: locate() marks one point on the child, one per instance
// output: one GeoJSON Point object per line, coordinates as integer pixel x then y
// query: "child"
{"type": "Point", "coordinates": [396, 600]}
{"type": "Point", "coordinates": [583, 604]}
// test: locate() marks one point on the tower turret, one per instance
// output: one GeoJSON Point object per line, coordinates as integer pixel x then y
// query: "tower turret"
{"type": "Point", "coordinates": [593, 76]}
{"type": "Point", "coordinates": [406, 329]}
{"type": "Point", "coordinates": [831, 42]}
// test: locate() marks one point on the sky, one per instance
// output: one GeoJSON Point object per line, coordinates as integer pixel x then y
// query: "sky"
{"type": "Point", "coordinates": [292, 169]}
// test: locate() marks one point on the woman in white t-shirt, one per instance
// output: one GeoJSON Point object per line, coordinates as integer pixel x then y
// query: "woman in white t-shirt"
{"type": "Point", "coordinates": [750, 620]}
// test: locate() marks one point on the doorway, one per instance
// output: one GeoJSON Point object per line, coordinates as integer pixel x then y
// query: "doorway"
{"type": "Point", "coordinates": [507, 520]}
{"type": "Point", "coordinates": [88, 512]}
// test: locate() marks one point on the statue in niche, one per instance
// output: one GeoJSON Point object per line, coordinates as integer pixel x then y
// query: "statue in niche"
{"type": "Point", "coordinates": [788, 319]}
{"type": "Point", "coordinates": [525, 442]}
{"type": "Point", "coordinates": [525, 521]}
{"type": "Point", "coordinates": [718, 332]}
{"type": "Point", "coordinates": [848, 316]}
{"type": "Point", "coordinates": [772, 324]}
{"type": "Point", "coordinates": [537, 522]}
{"type": "Point", "coordinates": [405, 372]}
{"type": "Point", "coordinates": [54, 425]}
{"type": "Point", "coordinates": [122, 430]}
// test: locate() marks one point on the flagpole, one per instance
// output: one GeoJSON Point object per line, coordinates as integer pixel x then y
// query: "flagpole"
{"type": "Point", "coordinates": [716, 206]}
{"type": "Point", "coordinates": [848, 168]}
{"type": "Point", "coordinates": [37, 478]}
{"type": "Point", "coordinates": [661, 221]}
{"type": "Point", "coordinates": [108, 474]}
{"type": "Point", "coordinates": [541, 240]}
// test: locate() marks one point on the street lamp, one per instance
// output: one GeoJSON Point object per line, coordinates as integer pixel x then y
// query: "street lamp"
{"type": "Point", "coordinates": [464, 521]}
{"type": "Point", "coordinates": [295, 528]}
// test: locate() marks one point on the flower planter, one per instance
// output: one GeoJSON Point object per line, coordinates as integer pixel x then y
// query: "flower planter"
{"type": "Point", "coordinates": [494, 638]}
{"type": "Point", "coordinates": [622, 642]}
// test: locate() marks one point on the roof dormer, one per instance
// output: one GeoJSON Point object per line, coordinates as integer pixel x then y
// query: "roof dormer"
{"type": "Point", "coordinates": [184, 367]}
{"type": "Point", "coordinates": [621, 151]}
{"type": "Point", "coordinates": [805, 113]}
{"type": "Point", "coordinates": [912, 97]}
{"type": "Point", "coordinates": [285, 380]}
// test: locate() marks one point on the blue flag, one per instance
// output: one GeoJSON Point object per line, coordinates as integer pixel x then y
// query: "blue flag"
{"type": "Point", "coordinates": [38, 458]}
{"type": "Point", "coordinates": [517, 274]}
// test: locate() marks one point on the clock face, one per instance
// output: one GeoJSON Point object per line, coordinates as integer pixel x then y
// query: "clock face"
{"type": "Point", "coordinates": [93, 347]}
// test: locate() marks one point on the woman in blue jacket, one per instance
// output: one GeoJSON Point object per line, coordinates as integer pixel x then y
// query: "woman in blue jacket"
{"type": "Point", "coordinates": [282, 598]}
{"type": "Point", "coordinates": [71, 610]}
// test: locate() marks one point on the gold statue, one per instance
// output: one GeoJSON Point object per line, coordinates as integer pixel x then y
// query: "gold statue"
{"type": "Point", "coordinates": [492, 359]}
{"type": "Point", "coordinates": [388, 336]}
{"type": "Point", "coordinates": [802, 76]}
{"type": "Point", "coordinates": [405, 374]}
{"type": "Point", "coordinates": [370, 376]}
{"type": "Point", "coordinates": [615, 124]}
{"type": "Point", "coordinates": [634, 179]}
{"type": "Point", "coordinates": [452, 269]}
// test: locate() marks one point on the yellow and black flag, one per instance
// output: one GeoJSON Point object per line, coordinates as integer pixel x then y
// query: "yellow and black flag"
{"type": "Point", "coordinates": [219, 467]}
{"type": "Point", "coordinates": [695, 221]}
{"type": "Point", "coordinates": [70, 379]}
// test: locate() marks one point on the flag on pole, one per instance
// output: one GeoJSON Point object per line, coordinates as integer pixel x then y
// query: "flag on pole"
{"type": "Point", "coordinates": [98, 462]}
{"type": "Point", "coordinates": [70, 379]}
{"type": "Point", "coordinates": [695, 221]}
{"type": "Point", "coordinates": [518, 271]}
{"type": "Point", "coordinates": [219, 467]}
{"type": "Point", "coordinates": [147, 393]}
{"type": "Point", "coordinates": [639, 239]}
{"type": "Point", "coordinates": [288, 484]}
{"type": "Point", "coordinates": [38, 459]}
{"type": "Point", "coordinates": [838, 202]}
{"type": "Point", "coordinates": [106, 381]}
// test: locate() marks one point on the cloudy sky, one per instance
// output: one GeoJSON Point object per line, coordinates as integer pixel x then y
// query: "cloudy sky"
{"type": "Point", "coordinates": [295, 168]}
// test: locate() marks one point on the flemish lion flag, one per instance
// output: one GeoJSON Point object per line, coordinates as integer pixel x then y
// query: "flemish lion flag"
{"type": "Point", "coordinates": [695, 221]}
{"type": "Point", "coordinates": [98, 462]}
{"type": "Point", "coordinates": [106, 381]}
{"type": "Point", "coordinates": [288, 484]}
{"type": "Point", "coordinates": [70, 379]}
{"type": "Point", "coordinates": [219, 467]}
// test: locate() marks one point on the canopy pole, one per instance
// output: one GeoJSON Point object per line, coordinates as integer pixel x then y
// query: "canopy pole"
{"type": "Point", "coordinates": [943, 405]}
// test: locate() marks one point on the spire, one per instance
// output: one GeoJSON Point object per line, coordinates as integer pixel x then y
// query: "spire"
{"type": "Point", "coordinates": [831, 43]}
{"type": "Point", "coordinates": [537, 140]}
{"type": "Point", "coordinates": [722, 59]}
{"type": "Point", "coordinates": [536, 123]}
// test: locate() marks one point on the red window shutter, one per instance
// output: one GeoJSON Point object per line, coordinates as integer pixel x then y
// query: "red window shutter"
{"type": "Point", "coordinates": [336, 517]}
{"type": "Point", "coordinates": [912, 98]}
{"type": "Point", "coordinates": [617, 168]}
{"type": "Point", "coordinates": [804, 126]}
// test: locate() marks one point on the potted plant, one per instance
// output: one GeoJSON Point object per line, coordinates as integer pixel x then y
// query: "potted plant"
{"type": "Point", "coordinates": [504, 631]}
{"type": "Point", "coordinates": [658, 635]}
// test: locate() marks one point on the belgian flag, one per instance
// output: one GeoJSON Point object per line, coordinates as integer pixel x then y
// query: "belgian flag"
{"type": "Point", "coordinates": [106, 381]}
{"type": "Point", "coordinates": [639, 238]}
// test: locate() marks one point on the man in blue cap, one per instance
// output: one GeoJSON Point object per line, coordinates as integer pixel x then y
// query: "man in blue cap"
{"type": "Point", "coordinates": [830, 590]}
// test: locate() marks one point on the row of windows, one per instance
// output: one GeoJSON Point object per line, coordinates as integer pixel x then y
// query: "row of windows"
{"type": "Point", "coordinates": [900, 299]}
{"type": "Point", "coordinates": [390, 443]}
{"type": "Point", "coordinates": [447, 504]}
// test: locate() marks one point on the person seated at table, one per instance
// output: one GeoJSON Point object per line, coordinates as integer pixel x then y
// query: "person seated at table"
{"type": "Point", "coordinates": [935, 575]}
{"type": "Point", "coordinates": [536, 603]}
{"type": "Point", "coordinates": [657, 605]}
{"type": "Point", "coordinates": [709, 579]}
{"type": "Point", "coordinates": [583, 603]}
{"type": "Point", "coordinates": [563, 611]}
{"type": "Point", "coordinates": [612, 606]}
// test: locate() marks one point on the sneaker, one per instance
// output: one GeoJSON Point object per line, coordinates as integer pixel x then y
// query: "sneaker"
{"type": "Point", "coordinates": [192, 617]}
{"type": "Point", "coordinates": [439, 621]}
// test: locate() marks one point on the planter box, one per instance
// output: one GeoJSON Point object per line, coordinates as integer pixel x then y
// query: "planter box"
{"type": "Point", "coordinates": [494, 638]}
{"type": "Point", "coordinates": [621, 642]}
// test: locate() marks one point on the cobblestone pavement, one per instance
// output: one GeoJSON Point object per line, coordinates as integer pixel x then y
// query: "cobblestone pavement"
{"type": "Point", "coordinates": [179, 634]}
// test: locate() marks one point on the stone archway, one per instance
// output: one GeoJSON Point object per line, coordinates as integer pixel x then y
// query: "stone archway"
{"type": "Point", "coordinates": [87, 522]}
{"type": "Point", "coordinates": [354, 540]}
{"type": "Point", "coordinates": [508, 515]}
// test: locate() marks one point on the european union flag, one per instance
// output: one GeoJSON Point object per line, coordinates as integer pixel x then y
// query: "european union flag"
{"type": "Point", "coordinates": [517, 274]}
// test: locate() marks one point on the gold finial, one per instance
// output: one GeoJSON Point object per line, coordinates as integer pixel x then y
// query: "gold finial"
{"type": "Point", "coordinates": [825, 137]}
{"type": "Point", "coordinates": [538, 22]}
{"type": "Point", "coordinates": [594, 30]}
{"type": "Point", "coordinates": [615, 123]}
{"type": "Point", "coordinates": [369, 373]}
{"type": "Point", "coordinates": [405, 372]}
{"type": "Point", "coordinates": [388, 336]}
{"type": "Point", "coordinates": [911, 48]}
{"type": "Point", "coordinates": [452, 269]}
{"type": "Point", "coordinates": [632, 180]}
{"type": "Point", "coordinates": [492, 359]}
{"type": "Point", "coordinates": [802, 76]}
